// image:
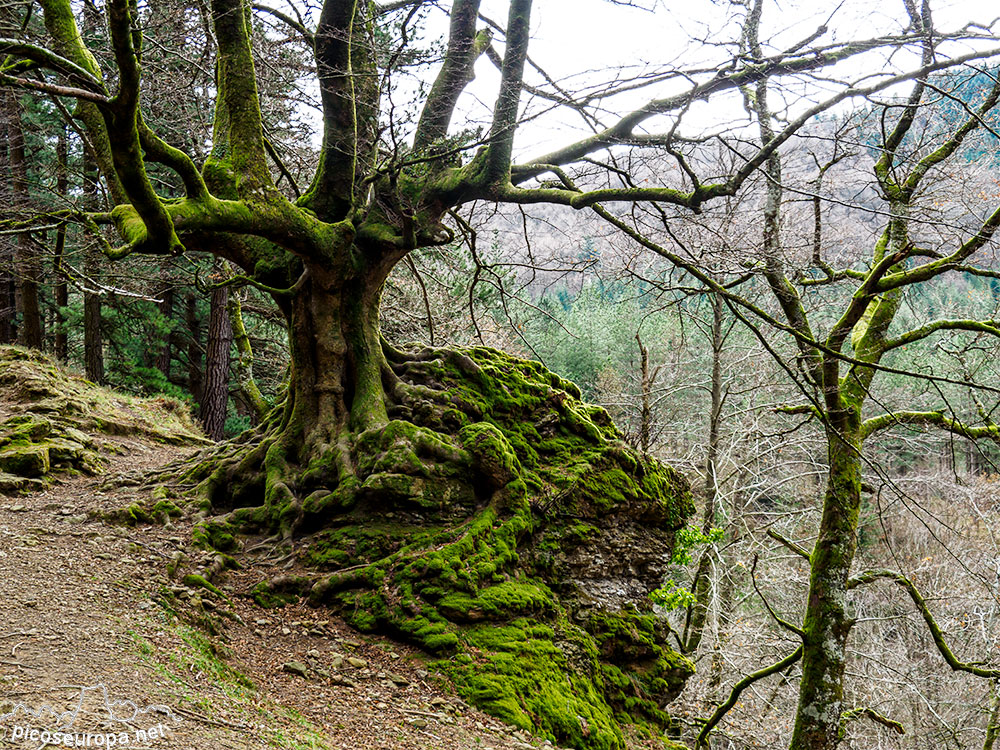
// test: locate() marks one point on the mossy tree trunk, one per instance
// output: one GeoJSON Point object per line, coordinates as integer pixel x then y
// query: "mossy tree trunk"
{"type": "Point", "coordinates": [827, 623]}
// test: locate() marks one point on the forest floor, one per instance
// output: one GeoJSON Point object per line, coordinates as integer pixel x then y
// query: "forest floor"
{"type": "Point", "coordinates": [84, 623]}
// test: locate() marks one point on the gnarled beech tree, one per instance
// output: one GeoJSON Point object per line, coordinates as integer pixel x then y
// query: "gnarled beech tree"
{"type": "Point", "coordinates": [325, 256]}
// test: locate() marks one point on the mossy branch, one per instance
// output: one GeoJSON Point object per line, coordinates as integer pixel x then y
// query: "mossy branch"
{"type": "Point", "coordinates": [856, 713]}
{"type": "Point", "coordinates": [991, 327]}
{"type": "Point", "coordinates": [331, 194]}
{"type": "Point", "coordinates": [935, 630]}
{"type": "Point", "coordinates": [796, 548]}
{"type": "Point", "coordinates": [54, 89]}
{"type": "Point", "coordinates": [122, 120]}
{"type": "Point", "coordinates": [245, 359]}
{"type": "Point", "coordinates": [953, 262]}
{"type": "Point", "coordinates": [950, 146]}
{"type": "Point", "coordinates": [832, 276]}
{"type": "Point", "coordinates": [505, 112]}
{"type": "Point", "coordinates": [240, 280]}
{"type": "Point", "coordinates": [61, 26]}
{"type": "Point", "coordinates": [464, 47]}
{"type": "Point", "coordinates": [160, 151]}
{"type": "Point", "coordinates": [767, 605]}
{"type": "Point", "coordinates": [738, 688]}
{"type": "Point", "coordinates": [238, 99]}
{"type": "Point", "coordinates": [293, 23]}
{"type": "Point", "coordinates": [993, 723]}
{"type": "Point", "coordinates": [45, 58]}
{"type": "Point", "coordinates": [928, 419]}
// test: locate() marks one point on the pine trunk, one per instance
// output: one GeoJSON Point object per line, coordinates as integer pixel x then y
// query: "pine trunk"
{"type": "Point", "coordinates": [8, 309]}
{"type": "Point", "coordinates": [25, 260]}
{"type": "Point", "coordinates": [61, 347]}
{"type": "Point", "coordinates": [166, 309]}
{"type": "Point", "coordinates": [215, 398]}
{"type": "Point", "coordinates": [194, 350]}
{"type": "Point", "coordinates": [93, 336]}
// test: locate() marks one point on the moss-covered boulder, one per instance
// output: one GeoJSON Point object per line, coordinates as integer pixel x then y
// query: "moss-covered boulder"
{"type": "Point", "coordinates": [26, 460]}
{"type": "Point", "coordinates": [58, 421]}
{"type": "Point", "coordinates": [502, 525]}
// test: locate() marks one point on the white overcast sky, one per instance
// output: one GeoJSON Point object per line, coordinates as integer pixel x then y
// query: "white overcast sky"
{"type": "Point", "coordinates": [578, 41]}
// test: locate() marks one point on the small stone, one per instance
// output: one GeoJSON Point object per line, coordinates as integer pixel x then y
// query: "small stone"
{"type": "Point", "coordinates": [381, 706]}
{"type": "Point", "coordinates": [357, 662]}
{"type": "Point", "coordinates": [296, 668]}
{"type": "Point", "coordinates": [286, 631]}
{"type": "Point", "coordinates": [398, 680]}
{"type": "Point", "coordinates": [339, 679]}
{"type": "Point", "coordinates": [423, 674]}
{"type": "Point", "coordinates": [17, 509]}
{"type": "Point", "coordinates": [418, 723]}
{"type": "Point", "coordinates": [393, 655]}
{"type": "Point", "coordinates": [324, 673]}
{"type": "Point", "coordinates": [262, 621]}
{"type": "Point", "coordinates": [337, 661]}
{"type": "Point", "coordinates": [312, 653]}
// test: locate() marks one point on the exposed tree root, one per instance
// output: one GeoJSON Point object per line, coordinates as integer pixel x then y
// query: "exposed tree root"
{"type": "Point", "coordinates": [495, 520]}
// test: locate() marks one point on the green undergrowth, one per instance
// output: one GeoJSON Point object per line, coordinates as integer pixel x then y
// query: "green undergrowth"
{"type": "Point", "coordinates": [200, 675]}
{"type": "Point", "coordinates": [58, 422]}
{"type": "Point", "coordinates": [470, 530]}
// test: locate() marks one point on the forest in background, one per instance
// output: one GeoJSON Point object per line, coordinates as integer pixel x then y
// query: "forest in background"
{"type": "Point", "coordinates": [631, 304]}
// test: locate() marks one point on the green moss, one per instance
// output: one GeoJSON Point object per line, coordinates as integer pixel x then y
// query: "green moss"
{"type": "Point", "coordinates": [135, 514]}
{"type": "Point", "coordinates": [25, 460]}
{"type": "Point", "coordinates": [493, 457]}
{"type": "Point", "coordinates": [503, 600]}
{"type": "Point", "coordinates": [519, 674]}
{"type": "Point", "coordinates": [267, 597]}
{"type": "Point", "coordinates": [214, 535]}
{"type": "Point", "coordinates": [197, 581]}
{"type": "Point", "coordinates": [166, 508]}
{"type": "Point", "coordinates": [455, 532]}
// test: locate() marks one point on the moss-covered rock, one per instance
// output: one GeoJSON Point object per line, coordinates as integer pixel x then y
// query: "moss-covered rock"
{"type": "Point", "coordinates": [57, 414]}
{"type": "Point", "coordinates": [43, 393]}
{"type": "Point", "coordinates": [502, 525]}
{"type": "Point", "coordinates": [11, 484]}
{"type": "Point", "coordinates": [26, 460]}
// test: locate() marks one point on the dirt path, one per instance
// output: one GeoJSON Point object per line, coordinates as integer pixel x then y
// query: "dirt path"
{"type": "Point", "coordinates": [88, 617]}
